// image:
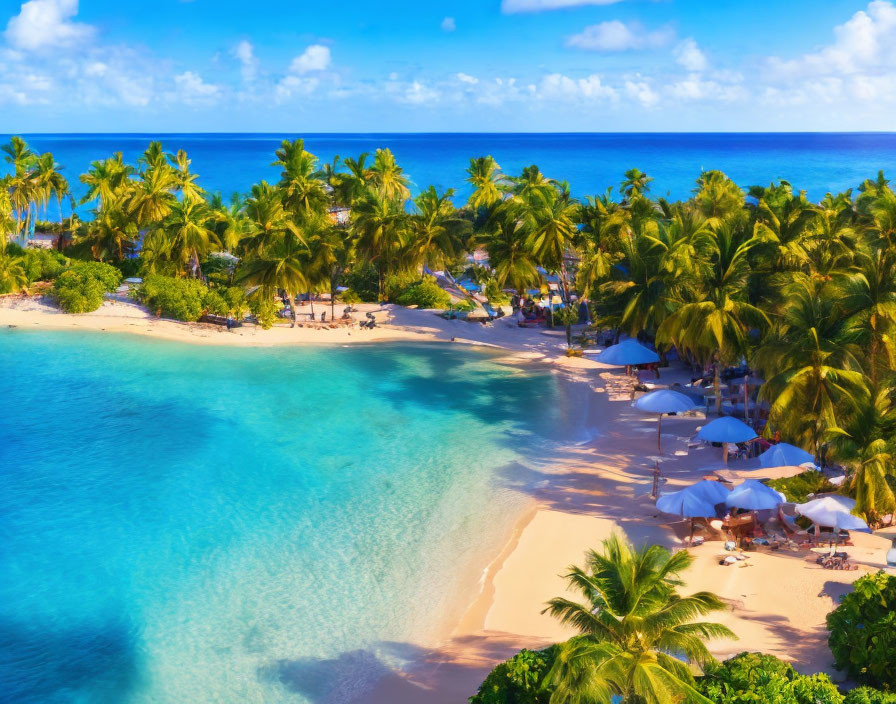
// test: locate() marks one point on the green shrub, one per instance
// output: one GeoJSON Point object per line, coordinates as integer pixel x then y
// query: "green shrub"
{"type": "Point", "coordinates": [181, 299]}
{"type": "Point", "coordinates": [463, 306]}
{"type": "Point", "coordinates": [130, 267]}
{"type": "Point", "coordinates": [425, 294]}
{"type": "Point", "coordinates": [348, 297]}
{"type": "Point", "coordinates": [264, 308]}
{"type": "Point", "coordinates": [519, 680]}
{"type": "Point", "coordinates": [43, 264]}
{"type": "Point", "coordinates": [236, 301]}
{"type": "Point", "coordinates": [494, 294]}
{"type": "Point", "coordinates": [755, 677]}
{"type": "Point", "coordinates": [82, 287]}
{"type": "Point", "coordinates": [863, 631]}
{"type": "Point", "coordinates": [364, 281]}
{"type": "Point", "coordinates": [798, 488]}
{"type": "Point", "coordinates": [395, 285]}
{"type": "Point", "coordinates": [868, 695]}
{"type": "Point", "coordinates": [215, 303]}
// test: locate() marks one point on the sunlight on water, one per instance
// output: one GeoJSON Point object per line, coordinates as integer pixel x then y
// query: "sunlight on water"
{"type": "Point", "coordinates": [194, 524]}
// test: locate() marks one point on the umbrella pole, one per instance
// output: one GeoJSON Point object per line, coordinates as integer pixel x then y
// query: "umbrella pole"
{"type": "Point", "coordinates": [725, 452]}
{"type": "Point", "coordinates": [659, 425]}
{"type": "Point", "coordinates": [691, 538]}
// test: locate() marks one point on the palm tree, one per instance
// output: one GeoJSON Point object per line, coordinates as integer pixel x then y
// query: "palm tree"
{"type": "Point", "coordinates": [187, 229]}
{"type": "Point", "coordinates": [388, 177]}
{"type": "Point", "coordinates": [436, 229]}
{"type": "Point", "coordinates": [507, 241]}
{"type": "Point", "coordinates": [303, 192]}
{"type": "Point", "coordinates": [51, 182]}
{"type": "Point", "coordinates": [715, 322]}
{"type": "Point", "coordinates": [280, 265]}
{"type": "Point", "coordinates": [638, 633]}
{"type": "Point", "coordinates": [635, 184]}
{"type": "Point", "coordinates": [185, 181]}
{"type": "Point", "coordinates": [111, 234]}
{"type": "Point", "coordinates": [489, 185]}
{"type": "Point", "coordinates": [153, 196]}
{"type": "Point", "coordinates": [106, 179]}
{"type": "Point", "coordinates": [866, 445]}
{"type": "Point", "coordinates": [380, 225]}
{"type": "Point", "coordinates": [21, 183]}
{"type": "Point", "coordinates": [13, 278]}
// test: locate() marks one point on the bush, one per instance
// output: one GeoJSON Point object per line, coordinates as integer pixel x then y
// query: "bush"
{"type": "Point", "coordinates": [82, 287]}
{"type": "Point", "coordinates": [130, 267]}
{"type": "Point", "coordinates": [798, 488]}
{"type": "Point", "coordinates": [425, 294]}
{"type": "Point", "coordinates": [43, 264]}
{"type": "Point", "coordinates": [264, 308]}
{"type": "Point", "coordinates": [863, 631]}
{"type": "Point", "coordinates": [364, 281]}
{"type": "Point", "coordinates": [348, 297]}
{"type": "Point", "coordinates": [867, 695]}
{"type": "Point", "coordinates": [519, 680]}
{"type": "Point", "coordinates": [755, 677]}
{"type": "Point", "coordinates": [215, 304]}
{"type": "Point", "coordinates": [181, 299]}
{"type": "Point", "coordinates": [395, 285]}
{"type": "Point", "coordinates": [494, 294]}
{"type": "Point", "coordinates": [236, 301]}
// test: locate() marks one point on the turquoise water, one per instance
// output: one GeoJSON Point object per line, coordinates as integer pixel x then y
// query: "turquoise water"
{"type": "Point", "coordinates": [200, 524]}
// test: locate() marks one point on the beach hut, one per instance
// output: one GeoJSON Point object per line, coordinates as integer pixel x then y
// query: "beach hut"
{"type": "Point", "coordinates": [628, 353]}
{"type": "Point", "coordinates": [753, 495]}
{"type": "Point", "coordinates": [725, 430]}
{"type": "Point", "coordinates": [828, 512]}
{"type": "Point", "coordinates": [784, 455]}
{"type": "Point", "coordinates": [661, 402]}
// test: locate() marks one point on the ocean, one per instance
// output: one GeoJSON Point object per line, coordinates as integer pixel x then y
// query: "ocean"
{"type": "Point", "coordinates": [182, 523]}
{"type": "Point", "coordinates": [591, 163]}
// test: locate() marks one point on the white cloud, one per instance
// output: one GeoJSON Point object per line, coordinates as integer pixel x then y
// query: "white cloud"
{"type": "Point", "coordinates": [418, 93]}
{"type": "Point", "coordinates": [618, 36]}
{"type": "Point", "coordinates": [295, 85]}
{"type": "Point", "coordinates": [465, 78]}
{"type": "Point", "coordinates": [558, 86]}
{"type": "Point", "coordinates": [866, 42]}
{"type": "Point", "coordinates": [245, 54]}
{"type": "Point", "coordinates": [315, 58]}
{"type": "Point", "coordinates": [47, 23]}
{"type": "Point", "coordinates": [642, 92]}
{"type": "Point", "coordinates": [192, 90]}
{"type": "Point", "coordinates": [511, 6]}
{"type": "Point", "coordinates": [448, 24]}
{"type": "Point", "coordinates": [689, 55]}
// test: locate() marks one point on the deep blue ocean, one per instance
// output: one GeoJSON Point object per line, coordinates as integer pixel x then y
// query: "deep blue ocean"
{"type": "Point", "coordinates": [815, 162]}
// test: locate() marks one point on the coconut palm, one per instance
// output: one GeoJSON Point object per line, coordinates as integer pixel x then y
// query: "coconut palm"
{"type": "Point", "coordinates": [281, 265]}
{"type": "Point", "coordinates": [13, 278]}
{"type": "Point", "coordinates": [21, 183]}
{"type": "Point", "coordinates": [184, 179]}
{"type": "Point", "coordinates": [304, 193]}
{"type": "Point", "coordinates": [50, 181]}
{"type": "Point", "coordinates": [105, 180]}
{"type": "Point", "coordinates": [635, 184]}
{"type": "Point", "coordinates": [508, 243]}
{"type": "Point", "coordinates": [489, 185]}
{"type": "Point", "coordinates": [112, 234]}
{"type": "Point", "coordinates": [637, 633]}
{"type": "Point", "coordinates": [381, 229]}
{"type": "Point", "coordinates": [152, 197]}
{"type": "Point", "coordinates": [436, 229]}
{"type": "Point", "coordinates": [191, 238]}
{"type": "Point", "coordinates": [388, 177]}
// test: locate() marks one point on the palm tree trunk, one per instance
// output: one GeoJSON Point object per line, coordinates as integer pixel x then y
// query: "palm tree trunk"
{"type": "Point", "coordinates": [295, 310]}
{"type": "Point", "coordinates": [311, 301]}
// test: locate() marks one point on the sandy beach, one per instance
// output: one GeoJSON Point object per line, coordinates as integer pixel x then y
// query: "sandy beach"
{"type": "Point", "coordinates": [778, 601]}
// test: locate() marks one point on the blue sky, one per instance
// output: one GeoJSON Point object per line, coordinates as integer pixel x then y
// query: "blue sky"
{"type": "Point", "coordinates": [470, 65]}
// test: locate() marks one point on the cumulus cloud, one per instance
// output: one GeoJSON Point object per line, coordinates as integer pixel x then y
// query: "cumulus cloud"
{"type": "Point", "coordinates": [43, 23]}
{"type": "Point", "coordinates": [557, 85]}
{"type": "Point", "coordinates": [315, 58]}
{"type": "Point", "coordinates": [619, 36]}
{"type": "Point", "coordinates": [193, 90]}
{"type": "Point", "coordinates": [465, 78]}
{"type": "Point", "coordinates": [292, 86]}
{"type": "Point", "coordinates": [511, 6]}
{"type": "Point", "coordinates": [642, 92]}
{"type": "Point", "coordinates": [689, 56]}
{"type": "Point", "coordinates": [448, 24]}
{"type": "Point", "coordinates": [244, 52]}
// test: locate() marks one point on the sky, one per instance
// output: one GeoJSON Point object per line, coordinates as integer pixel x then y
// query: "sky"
{"type": "Point", "coordinates": [440, 66]}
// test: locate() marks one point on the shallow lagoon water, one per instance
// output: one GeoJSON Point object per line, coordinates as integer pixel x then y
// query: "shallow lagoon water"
{"type": "Point", "coordinates": [202, 524]}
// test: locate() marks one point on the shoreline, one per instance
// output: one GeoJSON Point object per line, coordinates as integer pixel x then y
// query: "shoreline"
{"type": "Point", "coordinates": [584, 492]}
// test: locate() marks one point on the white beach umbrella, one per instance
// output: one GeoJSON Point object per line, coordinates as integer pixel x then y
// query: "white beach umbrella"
{"type": "Point", "coordinates": [784, 455]}
{"type": "Point", "coordinates": [753, 495]}
{"type": "Point", "coordinates": [660, 402]}
{"type": "Point", "coordinates": [628, 353]}
{"type": "Point", "coordinates": [831, 513]}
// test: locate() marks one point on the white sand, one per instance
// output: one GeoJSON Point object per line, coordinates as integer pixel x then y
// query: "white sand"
{"type": "Point", "coordinates": [778, 601]}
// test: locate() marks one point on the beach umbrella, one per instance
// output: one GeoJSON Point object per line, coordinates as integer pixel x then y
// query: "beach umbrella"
{"type": "Point", "coordinates": [663, 401]}
{"type": "Point", "coordinates": [686, 504]}
{"type": "Point", "coordinates": [784, 455]}
{"type": "Point", "coordinates": [628, 353]}
{"type": "Point", "coordinates": [711, 491]}
{"type": "Point", "coordinates": [831, 513]}
{"type": "Point", "coordinates": [753, 495]}
{"type": "Point", "coordinates": [726, 430]}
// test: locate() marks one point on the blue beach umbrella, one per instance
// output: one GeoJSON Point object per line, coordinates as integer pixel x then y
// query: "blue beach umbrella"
{"type": "Point", "coordinates": [784, 455]}
{"type": "Point", "coordinates": [628, 353]}
{"type": "Point", "coordinates": [753, 495]}
{"type": "Point", "coordinates": [685, 504]}
{"type": "Point", "coordinates": [711, 491]}
{"type": "Point", "coordinates": [663, 401]}
{"type": "Point", "coordinates": [726, 430]}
